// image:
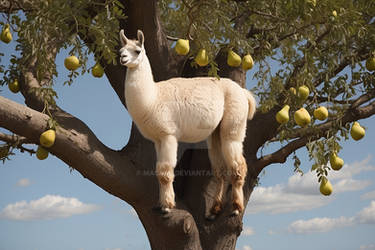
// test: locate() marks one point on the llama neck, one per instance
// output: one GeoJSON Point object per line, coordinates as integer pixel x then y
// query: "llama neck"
{"type": "Point", "coordinates": [140, 89]}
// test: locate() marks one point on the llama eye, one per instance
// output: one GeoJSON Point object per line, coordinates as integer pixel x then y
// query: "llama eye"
{"type": "Point", "coordinates": [138, 51]}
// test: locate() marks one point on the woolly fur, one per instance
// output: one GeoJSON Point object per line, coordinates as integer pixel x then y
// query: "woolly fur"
{"type": "Point", "coordinates": [188, 110]}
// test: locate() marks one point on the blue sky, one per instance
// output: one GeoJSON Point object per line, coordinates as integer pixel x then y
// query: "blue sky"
{"type": "Point", "coordinates": [45, 206]}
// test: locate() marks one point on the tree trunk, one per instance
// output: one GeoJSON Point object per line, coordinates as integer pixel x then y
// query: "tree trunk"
{"type": "Point", "coordinates": [186, 227]}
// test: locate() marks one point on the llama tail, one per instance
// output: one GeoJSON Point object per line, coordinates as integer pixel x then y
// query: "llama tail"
{"type": "Point", "coordinates": [252, 104]}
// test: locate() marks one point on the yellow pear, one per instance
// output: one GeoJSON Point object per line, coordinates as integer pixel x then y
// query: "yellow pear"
{"type": "Point", "coordinates": [14, 86]}
{"type": "Point", "coordinates": [71, 63]}
{"type": "Point", "coordinates": [370, 63]}
{"type": "Point", "coordinates": [202, 58]}
{"type": "Point", "coordinates": [321, 113]}
{"type": "Point", "coordinates": [247, 62]}
{"type": "Point", "coordinates": [41, 153]}
{"type": "Point", "coordinates": [336, 162]}
{"type": "Point", "coordinates": [293, 91]}
{"type": "Point", "coordinates": [97, 70]}
{"type": "Point", "coordinates": [182, 47]}
{"type": "Point", "coordinates": [302, 117]}
{"type": "Point", "coordinates": [282, 116]}
{"type": "Point", "coordinates": [47, 138]}
{"type": "Point", "coordinates": [357, 131]}
{"type": "Point", "coordinates": [233, 59]}
{"type": "Point", "coordinates": [4, 151]}
{"type": "Point", "coordinates": [303, 92]}
{"type": "Point", "coordinates": [6, 35]}
{"type": "Point", "coordinates": [325, 187]}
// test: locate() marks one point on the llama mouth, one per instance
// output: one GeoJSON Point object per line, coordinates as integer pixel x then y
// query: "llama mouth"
{"type": "Point", "coordinates": [123, 61]}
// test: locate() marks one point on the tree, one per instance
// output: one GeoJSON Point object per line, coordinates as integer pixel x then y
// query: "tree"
{"type": "Point", "coordinates": [321, 44]}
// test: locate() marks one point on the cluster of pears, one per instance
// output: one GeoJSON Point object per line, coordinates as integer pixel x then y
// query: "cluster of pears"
{"type": "Point", "coordinates": [336, 164]}
{"type": "Point", "coordinates": [234, 60]}
{"type": "Point", "coordinates": [301, 116]}
{"type": "Point", "coordinates": [6, 35]}
{"type": "Point", "coordinates": [183, 47]}
{"type": "Point", "coordinates": [72, 63]}
{"type": "Point", "coordinates": [357, 132]}
{"type": "Point", "coordinates": [46, 139]}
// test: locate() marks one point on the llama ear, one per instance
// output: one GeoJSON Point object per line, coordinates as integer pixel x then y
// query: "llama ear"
{"type": "Point", "coordinates": [123, 38]}
{"type": "Point", "coordinates": [141, 37]}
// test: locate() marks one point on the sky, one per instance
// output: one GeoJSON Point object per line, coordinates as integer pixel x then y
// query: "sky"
{"type": "Point", "coordinates": [44, 206]}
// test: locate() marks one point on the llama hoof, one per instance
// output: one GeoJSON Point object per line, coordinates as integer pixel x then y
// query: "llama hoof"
{"type": "Point", "coordinates": [211, 217]}
{"type": "Point", "coordinates": [161, 210]}
{"type": "Point", "coordinates": [164, 210]}
{"type": "Point", "coordinates": [235, 212]}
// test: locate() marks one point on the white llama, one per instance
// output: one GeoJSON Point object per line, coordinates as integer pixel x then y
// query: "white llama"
{"type": "Point", "coordinates": [188, 110]}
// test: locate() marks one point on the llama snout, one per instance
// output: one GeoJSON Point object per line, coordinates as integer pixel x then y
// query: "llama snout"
{"type": "Point", "coordinates": [123, 60]}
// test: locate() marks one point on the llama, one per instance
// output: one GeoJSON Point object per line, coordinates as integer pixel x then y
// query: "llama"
{"type": "Point", "coordinates": [188, 110]}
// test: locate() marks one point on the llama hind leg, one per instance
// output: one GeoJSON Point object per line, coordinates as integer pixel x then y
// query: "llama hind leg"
{"type": "Point", "coordinates": [167, 158]}
{"type": "Point", "coordinates": [218, 166]}
{"type": "Point", "coordinates": [237, 168]}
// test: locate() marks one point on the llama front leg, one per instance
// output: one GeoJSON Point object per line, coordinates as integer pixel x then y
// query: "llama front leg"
{"type": "Point", "coordinates": [167, 158]}
{"type": "Point", "coordinates": [237, 168]}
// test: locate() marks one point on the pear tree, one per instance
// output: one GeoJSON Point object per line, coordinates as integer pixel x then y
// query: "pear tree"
{"type": "Point", "coordinates": [324, 54]}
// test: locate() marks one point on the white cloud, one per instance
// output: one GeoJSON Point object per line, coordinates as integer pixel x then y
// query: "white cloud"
{"type": "Point", "coordinates": [302, 192]}
{"type": "Point", "coordinates": [349, 170]}
{"type": "Point", "coordinates": [47, 207]}
{"type": "Point", "coordinates": [367, 247]}
{"type": "Point", "coordinates": [247, 247]}
{"type": "Point", "coordinates": [275, 200]}
{"type": "Point", "coordinates": [271, 232]}
{"type": "Point", "coordinates": [317, 225]}
{"type": "Point", "coordinates": [368, 196]}
{"type": "Point", "coordinates": [350, 185]}
{"type": "Point", "coordinates": [367, 215]}
{"type": "Point", "coordinates": [248, 231]}
{"type": "Point", "coordinates": [24, 182]}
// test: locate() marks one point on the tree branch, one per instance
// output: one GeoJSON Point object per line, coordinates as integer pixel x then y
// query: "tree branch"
{"type": "Point", "coordinates": [280, 155]}
{"type": "Point", "coordinates": [13, 139]}
{"type": "Point", "coordinates": [15, 5]}
{"type": "Point", "coordinates": [363, 99]}
{"type": "Point", "coordinates": [321, 99]}
{"type": "Point", "coordinates": [302, 62]}
{"type": "Point", "coordinates": [77, 146]}
{"type": "Point", "coordinates": [16, 141]}
{"type": "Point", "coordinates": [319, 131]}
{"type": "Point", "coordinates": [362, 54]}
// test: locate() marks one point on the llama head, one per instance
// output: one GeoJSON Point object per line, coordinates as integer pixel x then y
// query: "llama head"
{"type": "Point", "coordinates": [132, 51]}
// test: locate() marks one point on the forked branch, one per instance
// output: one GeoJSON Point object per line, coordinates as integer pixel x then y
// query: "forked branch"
{"type": "Point", "coordinates": [282, 154]}
{"type": "Point", "coordinates": [76, 145]}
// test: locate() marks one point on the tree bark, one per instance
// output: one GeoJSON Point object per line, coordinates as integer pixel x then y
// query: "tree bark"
{"type": "Point", "coordinates": [130, 173]}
